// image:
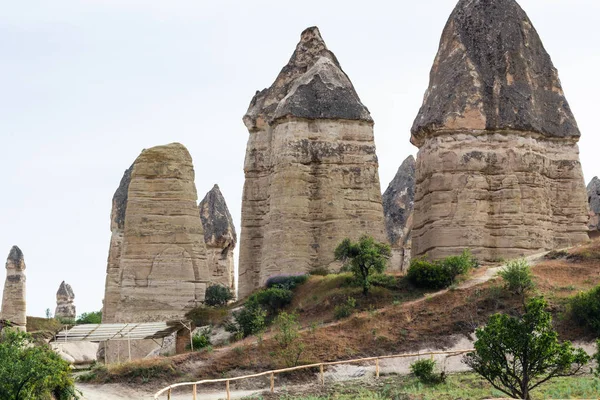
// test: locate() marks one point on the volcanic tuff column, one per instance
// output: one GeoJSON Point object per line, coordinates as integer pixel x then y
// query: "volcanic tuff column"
{"type": "Point", "coordinates": [14, 306]}
{"type": "Point", "coordinates": [157, 266]}
{"type": "Point", "coordinates": [593, 192]}
{"type": "Point", "coordinates": [498, 167]}
{"type": "Point", "coordinates": [219, 236]}
{"type": "Point", "coordinates": [311, 168]}
{"type": "Point", "coordinates": [64, 302]}
{"type": "Point", "coordinates": [398, 202]}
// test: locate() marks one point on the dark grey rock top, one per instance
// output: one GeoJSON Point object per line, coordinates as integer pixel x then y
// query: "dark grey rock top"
{"type": "Point", "coordinates": [120, 198]}
{"type": "Point", "coordinates": [65, 291]}
{"type": "Point", "coordinates": [398, 200]}
{"type": "Point", "coordinates": [217, 223]}
{"type": "Point", "coordinates": [15, 255]}
{"type": "Point", "coordinates": [312, 85]}
{"type": "Point", "coordinates": [491, 62]}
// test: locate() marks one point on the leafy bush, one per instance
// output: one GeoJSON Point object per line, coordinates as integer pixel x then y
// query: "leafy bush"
{"type": "Point", "coordinates": [424, 369]}
{"type": "Point", "coordinates": [272, 299]}
{"type": "Point", "coordinates": [439, 274]}
{"type": "Point", "coordinates": [202, 316]}
{"type": "Point", "coordinates": [517, 277]}
{"type": "Point", "coordinates": [288, 282]}
{"type": "Point", "coordinates": [320, 271]}
{"type": "Point", "coordinates": [248, 321]}
{"type": "Point", "coordinates": [345, 310]}
{"type": "Point", "coordinates": [201, 339]}
{"type": "Point", "coordinates": [217, 295]}
{"type": "Point", "coordinates": [94, 317]}
{"type": "Point", "coordinates": [287, 337]}
{"type": "Point", "coordinates": [29, 371]}
{"type": "Point", "coordinates": [585, 309]}
{"type": "Point", "coordinates": [385, 281]}
{"type": "Point", "coordinates": [597, 358]}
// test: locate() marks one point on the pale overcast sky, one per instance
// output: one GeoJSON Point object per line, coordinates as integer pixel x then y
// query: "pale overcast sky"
{"type": "Point", "coordinates": [86, 85]}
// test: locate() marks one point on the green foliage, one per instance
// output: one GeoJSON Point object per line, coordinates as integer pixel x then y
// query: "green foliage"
{"type": "Point", "coordinates": [597, 358]}
{"type": "Point", "coordinates": [345, 310]}
{"type": "Point", "coordinates": [202, 316]}
{"type": "Point", "coordinates": [201, 339]}
{"type": "Point", "coordinates": [320, 271]}
{"type": "Point", "coordinates": [439, 274]}
{"type": "Point", "coordinates": [517, 277]}
{"type": "Point", "coordinates": [424, 371]}
{"type": "Point", "coordinates": [94, 317]}
{"type": "Point", "coordinates": [363, 258]}
{"type": "Point", "coordinates": [517, 354]}
{"type": "Point", "coordinates": [248, 321]}
{"type": "Point", "coordinates": [66, 321]}
{"type": "Point", "coordinates": [288, 282]}
{"type": "Point", "coordinates": [30, 371]}
{"type": "Point", "coordinates": [384, 281]}
{"type": "Point", "coordinates": [271, 299]}
{"type": "Point", "coordinates": [287, 337]}
{"type": "Point", "coordinates": [585, 309]}
{"type": "Point", "coordinates": [217, 295]}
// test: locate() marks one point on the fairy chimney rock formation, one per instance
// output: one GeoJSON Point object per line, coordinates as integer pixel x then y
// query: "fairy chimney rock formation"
{"type": "Point", "coordinates": [157, 267]}
{"type": "Point", "coordinates": [593, 192]}
{"type": "Point", "coordinates": [14, 306]}
{"type": "Point", "coordinates": [64, 302]}
{"type": "Point", "coordinates": [498, 166]}
{"type": "Point", "coordinates": [311, 169]}
{"type": "Point", "coordinates": [398, 202]}
{"type": "Point", "coordinates": [219, 236]}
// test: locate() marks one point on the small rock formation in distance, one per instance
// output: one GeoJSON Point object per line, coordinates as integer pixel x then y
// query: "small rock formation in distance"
{"type": "Point", "coordinates": [498, 167]}
{"type": "Point", "coordinates": [14, 305]}
{"type": "Point", "coordinates": [64, 302]}
{"type": "Point", "coordinates": [219, 236]}
{"type": "Point", "coordinates": [398, 202]}
{"type": "Point", "coordinates": [311, 169]}
{"type": "Point", "coordinates": [593, 192]}
{"type": "Point", "coordinates": [157, 267]}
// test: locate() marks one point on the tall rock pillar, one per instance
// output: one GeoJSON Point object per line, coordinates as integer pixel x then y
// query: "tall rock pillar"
{"type": "Point", "coordinates": [498, 166]}
{"type": "Point", "coordinates": [64, 302]}
{"type": "Point", "coordinates": [14, 306]}
{"type": "Point", "coordinates": [219, 236]}
{"type": "Point", "coordinates": [311, 169]}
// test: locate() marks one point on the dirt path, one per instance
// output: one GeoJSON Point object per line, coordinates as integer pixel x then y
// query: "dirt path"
{"type": "Point", "coordinates": [120, 392]}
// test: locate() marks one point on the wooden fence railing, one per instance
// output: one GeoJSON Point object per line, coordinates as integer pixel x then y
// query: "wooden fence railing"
{"type": "Point", "coordinates": [321, 366]}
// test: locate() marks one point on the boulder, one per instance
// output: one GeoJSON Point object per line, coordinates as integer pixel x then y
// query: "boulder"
{"type": "Point", "coordinates": [498, 167]}
{"type": "Point", "coordinates": [311, 169]}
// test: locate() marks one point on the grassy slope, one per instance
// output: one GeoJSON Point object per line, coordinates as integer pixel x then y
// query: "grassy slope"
{"type": "Point", "coordinates": [392, 319]}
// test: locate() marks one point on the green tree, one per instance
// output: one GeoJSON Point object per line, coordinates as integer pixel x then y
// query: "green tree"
{"type": "Point", "coordinates": [517, 277]}
{"type": "Point", "coordinates": [287, 337]}
{"type": "Point", "coordinates": [363, 258]}
{"type": "Point", "coordinates": [30, 371]}
{"type": "Point", "coordinates": [94, 317]}
{"type": "Point", "coordinates": [517, 354]}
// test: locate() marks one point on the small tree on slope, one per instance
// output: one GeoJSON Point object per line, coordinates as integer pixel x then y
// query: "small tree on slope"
{"type": "Point", "coordinates": [516, 355]}
{"type": "Point", "coordinates": [363, 258]}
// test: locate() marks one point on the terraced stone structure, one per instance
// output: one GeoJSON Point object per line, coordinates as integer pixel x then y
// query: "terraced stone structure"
{"type": "Point", "coordinates": [219, 236]}
{"type": "Point", "coordinates": [64, 302]}
{"type": "Point", "coordinates": [398, 201]}
{"type": "Point", "coordinates": [14, 304]}
{"type": "Point", "coordinates": [311, 169]}
{"type": "Point", "coordinates": [498, 166]}
{"type": "Point", "coordinates": [157, 268]}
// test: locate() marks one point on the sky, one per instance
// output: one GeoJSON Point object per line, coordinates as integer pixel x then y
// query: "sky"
{"type": "Point", "coordinates": [86, 85]}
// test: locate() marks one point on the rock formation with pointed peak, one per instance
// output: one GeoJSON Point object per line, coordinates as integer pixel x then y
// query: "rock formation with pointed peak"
{"type": "Point", "coordinates": [157, 267]}
{"type": "Point", "coordinates": [498, 166]}
{"type": "Point", "coordinates": [219, 236]}
{"type": "Point", "coordinates": [593, 192]}
{"type": "Point", "coordinates": [398, 202]}
{"type": "Point", "coordinates": [14, 304]}
{"type": "Point", "coordinates": [311, 169]}
{"type": "Point", "coordinates": [64, 302]}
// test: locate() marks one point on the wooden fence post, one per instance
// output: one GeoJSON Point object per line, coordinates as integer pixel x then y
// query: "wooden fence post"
{"type": "Point", "coordinates": [227, 389]}
{"type": "Point", "coordinates": [169, 394]}
{"type": "Point", "coordinates": [377, 368]}
{"type": "Point", "coordinates": [322, 374]}
{"type": "Point", "coordinates": [272, 382]}
{"type": "Point", "coordinates": [194, 392]}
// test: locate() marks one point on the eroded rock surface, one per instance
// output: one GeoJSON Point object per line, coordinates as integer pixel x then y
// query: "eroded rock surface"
{"type": "Point", "coordinates": [157, 267]}
{"type": "Point", "coordinates": [311, 169]}
{"type": "Point", "coordinates": [498, 166]}
{"type": "Point", "coordinates": [64, 302]}
{"type": "Point", "coordinates": [219, 236]}
{"type": "Point", "coordinates": [398, 201]}
{"type": "Point", "coordinates": [14, 305]}
{"type": "Point", "coordinates": [593, 192]}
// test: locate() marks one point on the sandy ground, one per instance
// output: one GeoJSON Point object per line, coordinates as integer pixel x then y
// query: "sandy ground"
{"type": "Point", "coordinates": [119, 392]}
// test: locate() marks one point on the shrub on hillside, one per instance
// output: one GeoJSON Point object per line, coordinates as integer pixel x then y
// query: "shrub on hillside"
{"type": "Point", "coordinates": [424, 371]}
{"type": "Point", "coordinates": [201, 339]}
{"type": "Point", "coordinates": [517, 277]}
{"type": "Point", "coordinates": [286, 281]}
{"type": "Point", "coordinates": [439, 274]}
{"type": "Point", "coordinates": [287, 336]}
{"type": "Point", "coordinates": [320, 271]}
{"type": "Point", "coordinates": [272, 299]}
{"type": "Point", "coordinates": [202, 316]}
{"type": "Point", "coordinates": [248, 321]}
{"type": "Point", "coordinates": [585, 309]}
{"type": "Point", "coordinates": [217, 295]}
{"type": "Point", "coordinates": [345, 310]}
